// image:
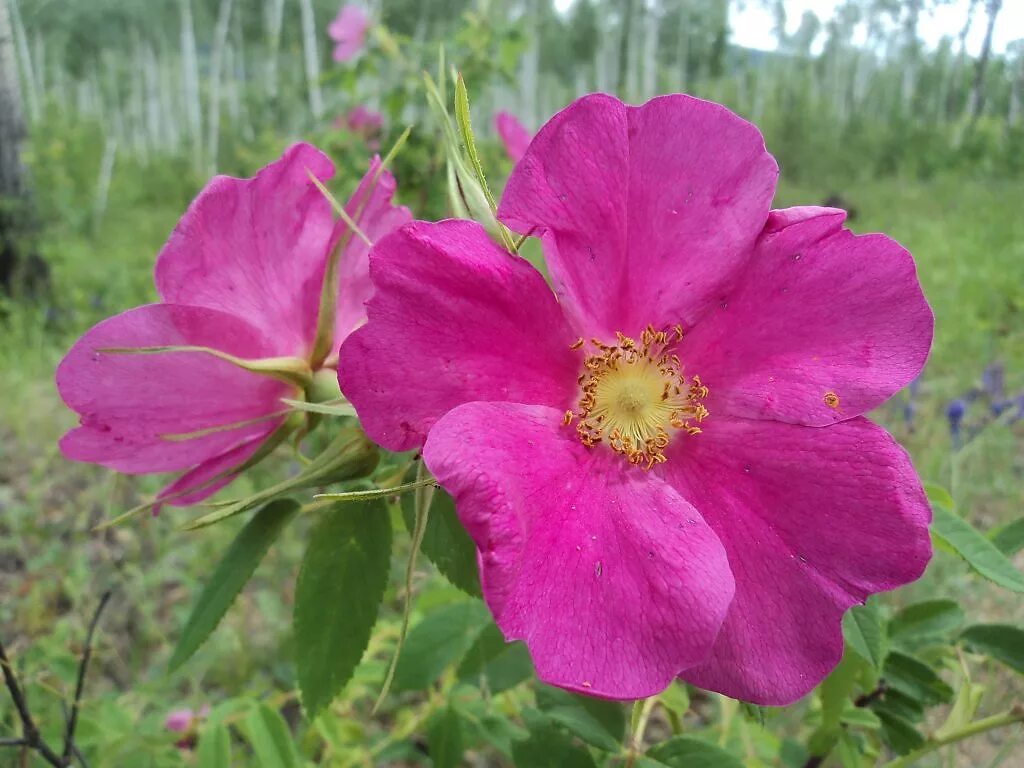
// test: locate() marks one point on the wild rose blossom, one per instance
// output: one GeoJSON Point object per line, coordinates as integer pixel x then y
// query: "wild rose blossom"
{"type": "Point", "coordinates": [513, 135]}
{"type": "Point", "coordinates": [364, 122]}
{"type": "Point", "coordinates": [348, 31]}
{"type": "Point", "coordinates": [241, 274]}
{"type": "Point", "coordinates": [664, 463]}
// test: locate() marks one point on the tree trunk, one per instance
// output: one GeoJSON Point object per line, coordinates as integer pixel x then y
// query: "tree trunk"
{"type": "Point", "coordinates": [977, 100]}
{"type": "Point", "coordinates": [625, 31]}
{"type": "Point", "coordinates": [220, 41]}
{"type": "Point", "coordinates": [15, 207]}
{"type": "Point", "coordinates": [312, 59]}
{"type": "Point", "coordinates": [190, 82]}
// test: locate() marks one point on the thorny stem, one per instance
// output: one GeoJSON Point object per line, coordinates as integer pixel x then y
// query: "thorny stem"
{"type": "Point", "coordinates": [1011, 716]}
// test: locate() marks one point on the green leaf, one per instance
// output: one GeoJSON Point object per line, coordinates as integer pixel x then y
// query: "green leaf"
{"type": "Point", "coordinates": [1009, 538]}
{"type": "Point", "coordinates": [862, 628]}
{"type": "Point", "coordinates": [270, 738]}
{"type": "Point", "coordinates": [548, 747]}
{"type": "Point", "coordinates": [446, 543]}
{"type": "Point", "coordinates": [925, 621]}
{"type": "Point", "coordinates": [688, 752]}
{"type": "Point", "coordinates": [444, 739]}
{"type": "Point", "coordinates": [980, 553]}
{"type": "Point", "coordinates": [860, 717]}
{"type": "Point", "coordinates": [214, 748]}
{"type": "Point", "coordinates": [676, 698]}
{"type": "Point", "coordinates": [337, 596]}
{"type": "Point", "coordinates": [835, 690]}
{"type": "Point", "coordinates": [494, 662]}
{"type": "Point", "coordinates": [437, 641]}
{"type": "Point", "coordinates": [913, 677]}
{"type": "Point", "coordinates": [598, 722]}
{"type": "Point", "coordinates": [493, 729]}
{"type": "Point", "coordinates": [1002, 642]}
{"type": "Point", "coordinates": [230, 575]}
{"type": "Point", "coordinates": [899, 734]}
{"type": "Point", "coordinates": [849, 753]}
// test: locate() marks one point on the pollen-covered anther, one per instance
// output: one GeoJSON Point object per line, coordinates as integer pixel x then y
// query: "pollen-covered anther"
{"type": "Point", "coordinates": [634, 395]}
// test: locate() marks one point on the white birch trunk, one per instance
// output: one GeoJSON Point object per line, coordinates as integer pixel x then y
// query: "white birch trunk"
{"type": "Point", "coordinates": [273, 20]}
{"type": "Point", "coordinates": [312, 59]}
{"type": "Point", "coordinates": [190, 83]}
{"type": "Point", "coordinates": [28, 76]}
{"type": "Point", "coordinates": [220, 41]}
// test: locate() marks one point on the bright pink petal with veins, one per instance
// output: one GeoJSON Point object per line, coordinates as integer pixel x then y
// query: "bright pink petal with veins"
{"type": "Point", "coordinates": [454, 319]}
{"type": "Point", "coordinates": [814, 520]}
{"type": "Point", "coordinates": [612, 580]}
{"type": "Point", "coordinates": [256, 248]}
{"type": "Point", "coordinates": [648, 213]}
{"type": "Point", "coordinates": [135, 409]}
{"type": "Point", "coordinates": [371, 208]}
{"type": "Point", "coordinates": [514, 136]}
{"type": "Point", "coordinates": [819, 312]}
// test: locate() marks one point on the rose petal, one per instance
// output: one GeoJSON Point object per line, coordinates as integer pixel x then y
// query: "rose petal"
{"type": "Point", "coordinates": [131, 404]}
{"type": "Point", "coordinates": [256, 248]}
{"type": "Point", "coordinates": [513, 135]}
{"type": "Point", "coordinates": [612, 580]}
{"type": "Point", "coordinates": [818, 312]}
{"type": "Point", "coordinates": [814, 520]}
{"type": "Point", "coordinates": [454, 319]}
{"type": "Point", "coordinates": [377, 217]}
{"type": "Point", "coordinates": [646, 213]}
{"type": "Point", "coordinates": [348, 30]}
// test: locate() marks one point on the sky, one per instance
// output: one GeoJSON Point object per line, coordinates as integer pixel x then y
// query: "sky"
{"type": "Point", "coordinates": [752, 23]}
{"type": "Point", "coordinates": [752, 26]}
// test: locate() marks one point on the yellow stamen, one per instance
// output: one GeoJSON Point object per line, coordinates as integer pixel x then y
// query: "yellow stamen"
{"type": "Point", "coordinates": [633, 393]}
{"type": "Point", "coordinates": [832, 400]}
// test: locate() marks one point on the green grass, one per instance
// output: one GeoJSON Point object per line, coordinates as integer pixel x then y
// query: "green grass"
{"type": "Point", "coordinates": [967, 237]}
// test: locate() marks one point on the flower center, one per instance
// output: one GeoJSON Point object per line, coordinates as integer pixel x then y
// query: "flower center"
{"type": "Point", "coordinates": [635, 396]}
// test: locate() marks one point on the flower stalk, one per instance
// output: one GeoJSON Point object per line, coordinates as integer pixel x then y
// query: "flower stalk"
{"type": "Point", "coordinates": [1014, 715]}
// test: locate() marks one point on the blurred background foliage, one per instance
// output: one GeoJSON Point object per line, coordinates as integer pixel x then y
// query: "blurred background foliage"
{"type": "Point", "coordinates": [131, 105]}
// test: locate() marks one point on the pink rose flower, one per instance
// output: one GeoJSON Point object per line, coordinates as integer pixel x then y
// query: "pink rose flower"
{"type": "Point", "coordinates": [513, 135]}
{"type": "Point", "coordinates": [241, 274]}
{"type": "Point", "coordinates": [362, 119]}
{"type": "Point", "coordinates": [348, 31]}
{"type": "Point", "coordinates": [664, 463]}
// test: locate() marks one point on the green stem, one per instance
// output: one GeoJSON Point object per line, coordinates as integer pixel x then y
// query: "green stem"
{"type": "Point", "coordinates": [638, 726]}
{"type": "Point", "coordinates": [424, 495]}
{"type": "Point", "coordinates": [1014, 715]}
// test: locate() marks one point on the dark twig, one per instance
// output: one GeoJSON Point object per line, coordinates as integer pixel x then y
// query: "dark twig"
{"type": "Point", "coordinates": [868, 698]}
{"type": "Point", "coordinates": [72, 720]}
{"type": "Point", "coordinates": [31, 737]}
